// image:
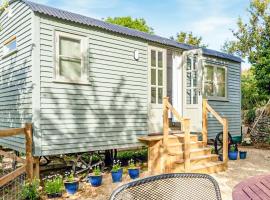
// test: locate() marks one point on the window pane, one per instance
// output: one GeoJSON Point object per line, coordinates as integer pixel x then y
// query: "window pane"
{"type": "Point", "coordinates": [153, 58]}
{"type": "Point", "coordinates": [160, 95]}
{"type": "Point", "coordinates": [160, 77]}
{"type": "Point", "coordinates": [153, 95]}
{"type": "Point", "coordinates": [194, 78]}
{"type": "Point", "coordinates": [70, 69]}
{"type": "Point", "coordinates": [160, 59]}
{"type": "Point", "coordinates": [221, 90]}
{"type": "Point", "coordinates": [188, 63]}
{"type": "Point", "coordinates": [221, 75]}
{"type": "Point", "coordinates": [188, 96]}
{"type": "Point", "coordinates": [153, 76]}
{"type": "Point", "coordinates": [209, 88]}
{"type": "Point", "coordinates": [11, 46]}
{"type": "Point", "coordinates": [209, 73]}
{"type": "Point", "coordinates": [195, 62]}
{"type": "Point", "coordinates": [195, 96]}
{"type": "Point", "coordinates": [188, 79]}
{"type": "Point", "coordinates": [70, 47]}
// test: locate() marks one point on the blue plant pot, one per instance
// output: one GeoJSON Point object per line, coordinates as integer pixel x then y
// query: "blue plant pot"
{"type": "Point", "coordinates": [243, 154]}
{"type": "Point", "coordinates": [134, 173]}
{"type": "Point", "coordinates": [95, 181]}
{"type": "Point", "coordinates": [233, 155]}
{"type": "Point", "coordinates": [117, 176]}
{"type": "Point", "coordinates": [72, 187]}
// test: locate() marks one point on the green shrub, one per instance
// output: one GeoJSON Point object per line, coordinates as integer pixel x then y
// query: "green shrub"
{"type": "Point", "coordinates": [54, 185]}
{"type": "Point", "coordinates": [250, 116]}
{"type": "Point", "coordinates": [30, 190]}
{"type": "Point", "coordinates": [125, 156]}
{"type": "Point", "coordinates": [97, 171]}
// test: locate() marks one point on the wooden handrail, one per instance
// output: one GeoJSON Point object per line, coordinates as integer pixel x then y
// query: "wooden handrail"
{"type": "Point", "coordinates": [185, 126]}
{"type": "Point", "coordinates": [223, 121]}
{"type": "Point", "coordinates": [28, 163]}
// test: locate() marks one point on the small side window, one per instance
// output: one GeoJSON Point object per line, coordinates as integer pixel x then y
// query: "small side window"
{"type": "Point", "coordinates": [10, 46]}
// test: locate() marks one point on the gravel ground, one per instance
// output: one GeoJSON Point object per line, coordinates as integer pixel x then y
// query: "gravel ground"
{"type": "Point", "coordinates": [257, 163]}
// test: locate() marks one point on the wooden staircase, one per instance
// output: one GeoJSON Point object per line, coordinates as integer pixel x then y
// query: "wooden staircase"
{"type": "Point", "coordinates": [180, 151]}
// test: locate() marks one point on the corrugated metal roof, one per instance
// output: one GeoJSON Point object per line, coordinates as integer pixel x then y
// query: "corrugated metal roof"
{"type": "Point", "coordinates": [80, 19]}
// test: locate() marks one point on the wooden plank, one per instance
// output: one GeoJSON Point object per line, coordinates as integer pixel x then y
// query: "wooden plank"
{"type": "Point", "coordinates": [13, 156]}
{"type": "Point", "coordinates": [204, 122]}
{"type": "Point", "coordinates": [175, 113]}
{"type": "Point", "coordinates": [213, 112]}
{"type": "Point", "coordinates": [225, 141]}
{"type": "Point", "coordinates": [11, 176]}
{"type": "Point", "coordinates": [29, 147]}
{"type": "Point", "coordinates": [186, 127]}
{"type": "Point", "coordinates": [11, 132]}
{"type": "Point", "coordinates": [164, 154]}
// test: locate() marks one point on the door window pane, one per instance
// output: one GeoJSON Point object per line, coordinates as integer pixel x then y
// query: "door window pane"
{"type": "Point", "coordinates": [153, 95]}
{"type": "Point", "coordinates": [153, 76]}
{"type": "Point", "coordinates": [188, 79]}
{"type": "Point", "coordinates": [70, 47]}
{"type": "Point", "coordinates": [194, 78]}
{"type": "Point", "coordinates": [194, 62]}
{"type": "Point", "coordinates": [188, 64]}
{"type": "Point", "coordinates": [153, 58]}
{"type": "Point", "coordinates": [160, 77]}
{"type": "Point", "coordinates": [195, 96]}
{"type": "Point", "coordinates": [160, 59]}
{"type": "Point", "coordinates": [70, 69]}
{"type": "Point", "coordinates": [160, 95]}
{"type": "Point", "coordinates": [188, 96]}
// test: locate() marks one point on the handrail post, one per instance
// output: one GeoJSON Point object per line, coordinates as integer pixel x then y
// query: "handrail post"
{"type": "Point", "coordinates": [204, 122]}
{"type": "Point", "coordinates": [225, 141]}
{"type": "Point", "coordinates": [28, 150]}
{"type": "Point", "coordinates": [165, 121]}
{"type": "Point", "coordinates": [186, 126]}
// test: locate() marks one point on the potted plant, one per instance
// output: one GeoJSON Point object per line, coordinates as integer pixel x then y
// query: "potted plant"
{"type": "Point", "coordinates": [233, 153]}
{"type": "Point", "coordinates": [54, 187]}
{"type": "Point", "coordinates": [95, 179]}
{"type": "Point", "coordinates": [133, 171]}
{"type": "Point", "coordinates": [242, 154]}
{"type": "Point", "coordinates": [117, 171]}
{"type": "Point", "coordinates": [30, 191]}
{"type": "Point", "coordinates": [71, 184]}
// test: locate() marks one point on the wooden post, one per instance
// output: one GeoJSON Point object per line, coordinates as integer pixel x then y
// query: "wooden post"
{"type": "Point", "coordinates": [165, 121]}
{"type": "Point", "coordinates": [28, 149]}
{"type": "Point", "coordinates": [36, 167]}
{"type": "Point", "coordinates": [225, 141]}
{"type": "Point", "coordinates": [186, 126]}
{"type": "Point", "coordinates": [204, 122]}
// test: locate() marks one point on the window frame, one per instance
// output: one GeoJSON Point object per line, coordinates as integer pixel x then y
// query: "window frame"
{"type": "Point", "coordinates": [83, 56]}
{"type": "Point", "coordinates": [215, 82]}
{"type": "Point", "coordinates": [164, 75]}
{"type": "Point", "coordinates": [7, 42]}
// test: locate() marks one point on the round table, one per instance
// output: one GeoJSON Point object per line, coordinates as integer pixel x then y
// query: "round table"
{"type": "Point", "coordinates": [255, 188]}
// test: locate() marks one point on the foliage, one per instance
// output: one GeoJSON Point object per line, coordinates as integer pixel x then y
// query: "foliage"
{"type": "Point", "coordinates": [252, 41]}
{"type": "Point", "coordinates": [189, 38]}
{"type": "Point", "coordinates": [125, 156]}
{"type": "Point", "coordinates": [4, 5]}
{"type": "Point", "coordinates": [127, 21]}
{"type": "Point", "coordinates": [232, 148]}
{"type": "Point", "coordinates": [250, 116]}
{"type": "Point", "coordinates": [97, 171]}
{"type": "Point", "coordinates": [54, 185]}
{"type": "Point", "coordinates": [251, 95]}
{"type": "Point", "coordinates": [30, 190]}
{"type": "Point", "coordinates": [116, 166]}
{"type": "Point", "coordinates": [131, 164]}
{"type": "Point", "coordinates": [70, 177]}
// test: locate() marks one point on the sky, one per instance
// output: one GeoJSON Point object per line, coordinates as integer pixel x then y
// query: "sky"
{"type": "Point", "coordinates": [210, 19]}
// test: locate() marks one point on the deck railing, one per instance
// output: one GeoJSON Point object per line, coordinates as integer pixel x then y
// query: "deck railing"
{"type": "Point", "coordinates": [185, 127]}
{"type": "Point", "coordinates": [28, 162]}
{"type": "Point", "coordinates": [223, 121]}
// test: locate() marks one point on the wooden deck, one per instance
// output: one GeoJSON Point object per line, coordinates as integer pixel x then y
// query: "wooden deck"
{"type": "Point", "coordinates": [179, 151]}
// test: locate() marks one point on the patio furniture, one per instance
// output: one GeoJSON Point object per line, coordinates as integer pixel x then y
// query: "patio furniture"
{"type": "Point", "coordinates": [254, 188]}
{"type": "Point", "coordinates": [182, 186]}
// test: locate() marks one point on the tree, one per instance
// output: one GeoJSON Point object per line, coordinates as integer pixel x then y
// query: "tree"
{"type": "Point", "coordinates": [189, 38]}
{"type": "Point", "coordinates": [252, 41]}
{"type": "Point", "coordinates": [137, 23]}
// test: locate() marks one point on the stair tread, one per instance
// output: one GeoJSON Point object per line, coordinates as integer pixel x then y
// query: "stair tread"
{"type": "Point", "coordinates": [183, 135]}
{"type": "Point", "coordinates": [197, 158]}
{"type": "Point", "coordinates": [180, 144]}
{"type": "Point", "coordinates": [191, 151]}
{"type": "Point", "coordinates": [206, 165]}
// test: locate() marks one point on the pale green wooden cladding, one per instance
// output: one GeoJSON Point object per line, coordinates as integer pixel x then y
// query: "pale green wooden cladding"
{"type": "Point", "coordinates": [109, 111]}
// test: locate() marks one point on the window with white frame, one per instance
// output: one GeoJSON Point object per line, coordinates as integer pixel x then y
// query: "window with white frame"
{"type": "Point", "coordinates": [215, 82]}
{"type": "Point", "coordinates": [10, 46]}
{"type": "Point", "coordinates": [71, 53]}
{"type": "Point", "coordinates": [157, 76]}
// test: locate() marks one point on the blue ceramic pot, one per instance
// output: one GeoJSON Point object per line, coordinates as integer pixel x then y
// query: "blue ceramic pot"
{"type": "Point", "coordinates": [233, 155]}
{"type": "Point", "coordinates": [243, 154]}
{"type": "Point", "coordinates": [117, 176]}
{"type": "Point", "coordinates": [72, 187]}
{"type": "Point", "coordinates": [95, 181]}
{"type": "Point", "coordinates": [134, 173]}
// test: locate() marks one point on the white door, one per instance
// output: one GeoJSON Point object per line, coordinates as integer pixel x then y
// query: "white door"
{"type": "Point", "coordinates": [157, 88]}
{"type": "Point", "coordinates": [192, 88]}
